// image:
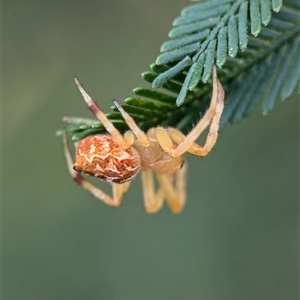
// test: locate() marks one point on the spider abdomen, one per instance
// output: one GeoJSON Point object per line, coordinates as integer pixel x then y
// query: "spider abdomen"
{"type": "Point", "coordinates": [100, 156]}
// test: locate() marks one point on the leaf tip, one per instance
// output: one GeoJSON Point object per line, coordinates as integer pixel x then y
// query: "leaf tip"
{"type": "Point", "coordinates": [59, 132]}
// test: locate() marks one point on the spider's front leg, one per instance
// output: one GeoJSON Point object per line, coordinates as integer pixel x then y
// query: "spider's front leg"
{"type": "Point", "coordinates": [117, 189]}
{"type": "Point", "coordinates": [153, 200]}
{"type": "Point", "coordinates": [173, 188]}
{"type": "Point", "coordinates": [186, 143]}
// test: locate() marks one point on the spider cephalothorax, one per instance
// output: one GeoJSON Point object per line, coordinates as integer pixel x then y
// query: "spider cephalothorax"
{"type": "Point", "coordinates": [117, 159]}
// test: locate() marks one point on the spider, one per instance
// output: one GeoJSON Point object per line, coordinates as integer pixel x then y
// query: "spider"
{"type": "Point", "coordinates": [117, 159]}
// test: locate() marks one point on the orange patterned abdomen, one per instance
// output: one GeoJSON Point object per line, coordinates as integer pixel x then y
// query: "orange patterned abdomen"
{"type": "Point", "coordinates": [100, 156]}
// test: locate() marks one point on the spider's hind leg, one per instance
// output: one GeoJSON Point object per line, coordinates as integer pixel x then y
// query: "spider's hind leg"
{"type": "Point", "coordinates": [95, 109]}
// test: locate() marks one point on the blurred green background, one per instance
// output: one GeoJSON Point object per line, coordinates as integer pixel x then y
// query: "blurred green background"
{"type": "Point", "coordinates": [237, 237]}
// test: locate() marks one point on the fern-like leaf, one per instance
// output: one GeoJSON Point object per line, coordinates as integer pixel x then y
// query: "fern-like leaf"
{"type": "Point", "coordinates": [256, 43]}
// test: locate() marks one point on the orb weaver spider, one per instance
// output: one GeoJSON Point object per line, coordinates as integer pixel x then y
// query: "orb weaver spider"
{"type": "Point", "coordinates": [117, 159]}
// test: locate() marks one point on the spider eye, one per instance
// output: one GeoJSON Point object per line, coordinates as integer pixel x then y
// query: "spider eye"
{"type": "Point", "coordinates": [100, 156]}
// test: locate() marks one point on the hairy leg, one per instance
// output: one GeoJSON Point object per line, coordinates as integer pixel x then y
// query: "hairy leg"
{"type": "Point", "coordinates": [174, 195]}
{"type": "Point", "coordinates": [153, 200]}
{"type": "Point", "coordinates": [95, 109]}
{"type": "Point", "coordinates": [211, 117]}
{"type": "Point", "coordinates": [141, 136]}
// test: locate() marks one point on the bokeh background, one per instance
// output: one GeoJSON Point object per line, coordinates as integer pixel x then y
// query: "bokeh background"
{"type": "Point", "coordinates": [237, 237]}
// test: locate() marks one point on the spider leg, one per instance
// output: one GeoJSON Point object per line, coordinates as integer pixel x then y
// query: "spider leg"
{"type": "Point", "coordinates": [95, 109]}
{"type": "Point", "coordinates": [118, 189]}
{"type": "Point", "coordinates": [141, 136]}
{"type": "Point", "coordinates": [174, 195]}
{"type": "Point", "coordinates": [212, 116]}
{"type": "Point", "coordinates": [195, 149]}
{"type": "Point", "coordinates": [153, 201]}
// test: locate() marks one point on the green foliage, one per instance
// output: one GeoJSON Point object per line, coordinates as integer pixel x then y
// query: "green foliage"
{"type": "Point", "coordinates": [261, 64]}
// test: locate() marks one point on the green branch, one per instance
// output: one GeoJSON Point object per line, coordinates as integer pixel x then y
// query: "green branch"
{"type": "Point", "coordinates": [258, 63]}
